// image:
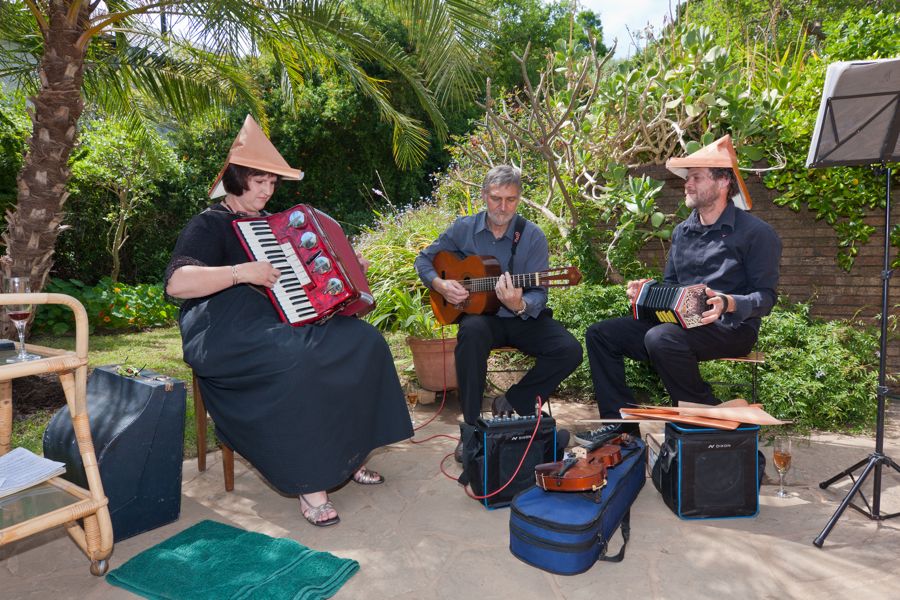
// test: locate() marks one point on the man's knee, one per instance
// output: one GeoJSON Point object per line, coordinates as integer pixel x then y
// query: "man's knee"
{"type": "Point", "coordinates": [666, 338]}
{"type": "Point", "coordinates": [597, 335]}
{"type": "Point", "coordinates": [474, 330]}
{"type": "Point", "coordinates": [572, 353]}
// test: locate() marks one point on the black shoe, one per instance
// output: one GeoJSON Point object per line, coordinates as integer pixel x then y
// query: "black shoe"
{"type": "Point", "coordinates": [562, 440]}
{"type": "Point", "coordinates": [500, 406]}
{"type": "Point", "coordinates": [606, 433]}
{"type": "Point", "coordinates": [457, 453]}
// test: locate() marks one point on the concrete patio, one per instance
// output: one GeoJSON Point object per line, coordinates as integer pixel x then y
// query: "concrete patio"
{"type": "Point", "coordinates": [420, 536]}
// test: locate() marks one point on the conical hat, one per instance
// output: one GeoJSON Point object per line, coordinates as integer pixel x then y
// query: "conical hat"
{"type": "Point", "coordinates": [719, 154]}
{"type": "Point", "coordinates": [251, 148]}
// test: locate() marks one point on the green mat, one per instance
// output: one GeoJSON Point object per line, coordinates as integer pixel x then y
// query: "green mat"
{"type": "Point", "coordinates": [216, 561]}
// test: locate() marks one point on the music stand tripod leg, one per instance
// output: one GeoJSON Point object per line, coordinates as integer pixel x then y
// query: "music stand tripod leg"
{"type": "Point", "coordinates": [872, 461]}
{"type": "Point", "coordinates": [843, 473]}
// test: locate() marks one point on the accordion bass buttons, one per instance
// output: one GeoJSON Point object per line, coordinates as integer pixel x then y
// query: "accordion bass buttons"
{"type": "Point", "coordinates": [309, 240]}
{"type": "Point", "coordinates": [334, 287]}
{"type": "Point", "coordinates": [297, 219]}
{"type": "Point", "coordinates": [321, 265]}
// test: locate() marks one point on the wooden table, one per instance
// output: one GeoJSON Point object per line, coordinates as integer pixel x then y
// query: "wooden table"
{"type": "Point", "coordinates": [57, 502]}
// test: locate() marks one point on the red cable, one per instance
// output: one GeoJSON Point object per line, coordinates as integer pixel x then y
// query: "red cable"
{"type": "Point", "coordinates": [456, 439]}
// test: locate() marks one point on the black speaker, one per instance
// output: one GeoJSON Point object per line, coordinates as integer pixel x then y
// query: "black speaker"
{"type": "Point", "coordinates": [137, 425]}
{"type": "Point", "coordinates": [493, 449]}
{"type": "Point", "coordinates": [705, 473]}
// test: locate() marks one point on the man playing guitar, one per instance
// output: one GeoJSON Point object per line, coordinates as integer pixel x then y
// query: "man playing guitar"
{"type": "Point", "coordinates": [523, 320]}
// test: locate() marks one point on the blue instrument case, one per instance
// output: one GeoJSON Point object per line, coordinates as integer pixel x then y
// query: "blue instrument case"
{"type": "Point", "coordinates": [567, 532]}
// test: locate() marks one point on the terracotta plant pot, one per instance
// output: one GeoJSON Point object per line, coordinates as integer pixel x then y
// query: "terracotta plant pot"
{"type": "Point", "coordinates": [430, 368]}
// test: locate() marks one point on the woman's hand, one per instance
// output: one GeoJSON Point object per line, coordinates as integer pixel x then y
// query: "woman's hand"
{"type": "Point", "coordinates": [258, 273]}
{"type": "Point", "coordinates": [363, 262]}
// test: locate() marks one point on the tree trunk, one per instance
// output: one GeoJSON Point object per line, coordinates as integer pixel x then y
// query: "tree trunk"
{"type": "Point", "coordinates": [34, 224]}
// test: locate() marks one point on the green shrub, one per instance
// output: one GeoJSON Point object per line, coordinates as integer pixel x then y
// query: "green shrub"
{"type": "Point", "coordinates": [581, 306]}
{"type": "Point", "coordinates": [109, 306]}
{"type": "Point", "coordinates": [392, 245]}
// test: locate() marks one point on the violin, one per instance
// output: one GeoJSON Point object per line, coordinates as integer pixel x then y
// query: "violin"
{"type": "Point", "coordinates": [585, 471]}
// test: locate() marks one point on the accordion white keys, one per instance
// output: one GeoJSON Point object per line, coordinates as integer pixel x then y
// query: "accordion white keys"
{"type": "Point", "coordinates": [665, 303]}
{"type": "Point", "coordinates": [320, 274]}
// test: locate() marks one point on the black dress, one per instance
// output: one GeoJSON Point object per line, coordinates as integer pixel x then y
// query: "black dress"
{"type": "Point", "coordinates": [305, 405]}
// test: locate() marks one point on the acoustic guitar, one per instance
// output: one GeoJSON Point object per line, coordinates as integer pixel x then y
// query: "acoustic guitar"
{"type": "Point", "coordinates": [479, 275]}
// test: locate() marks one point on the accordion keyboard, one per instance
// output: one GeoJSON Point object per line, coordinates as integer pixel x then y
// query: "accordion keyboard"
{"type": "Point", "coordinates": [288, 290]}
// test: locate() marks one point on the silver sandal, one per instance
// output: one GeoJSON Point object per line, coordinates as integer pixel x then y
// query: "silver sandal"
{"type": "Point", "coordinates": [313, 514]}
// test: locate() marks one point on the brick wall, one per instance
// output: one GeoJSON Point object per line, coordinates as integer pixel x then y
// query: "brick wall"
{"type": "Point", "coordinates": [809, 272]}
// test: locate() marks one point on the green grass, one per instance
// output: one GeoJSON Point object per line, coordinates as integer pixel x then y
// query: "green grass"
{"type": "Point", "coordinates": [157, 349]}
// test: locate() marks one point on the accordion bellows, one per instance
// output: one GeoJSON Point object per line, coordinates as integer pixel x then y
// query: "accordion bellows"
{"type": "Point", "coordinates": [664, 303]}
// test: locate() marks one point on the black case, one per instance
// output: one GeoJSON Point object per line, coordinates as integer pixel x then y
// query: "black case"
{"type": "Point", "coordinates": [492, 450]}
{"type": "Point", "coordinates": [567, 532]}
{"type": "Point", "coordinates": [137, 425]}
{"type": "Point", "coordinates": [705, 473]}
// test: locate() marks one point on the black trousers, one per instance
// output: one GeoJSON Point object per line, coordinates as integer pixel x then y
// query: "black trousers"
{"type": "Point", "coordinates": [674, 352]}
{"type": "Point", "coordinates": [556, 351]}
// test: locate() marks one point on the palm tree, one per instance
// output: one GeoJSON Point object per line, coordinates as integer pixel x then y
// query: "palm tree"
{"type": "Point", "coordinates": [116, 56]}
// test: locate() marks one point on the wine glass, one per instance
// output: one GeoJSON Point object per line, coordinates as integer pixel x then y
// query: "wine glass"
{"type": "Point", "coordinates": [782, 460]}
{"type": "Point", "coordinates": [18, 314]}
{"type": "Point", "coordinates": [412, 399]}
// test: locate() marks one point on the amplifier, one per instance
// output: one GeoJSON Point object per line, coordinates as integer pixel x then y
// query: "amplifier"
{"type": "Point", "coordinates": [137, 424]}
{"type": "Point", "coordinates": [705, 473]}
{"type": "Point", "coordinates": [493, 448]}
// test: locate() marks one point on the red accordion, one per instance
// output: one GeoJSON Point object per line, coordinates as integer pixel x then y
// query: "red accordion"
{"type": "Point", "coordinates": [320, 274]}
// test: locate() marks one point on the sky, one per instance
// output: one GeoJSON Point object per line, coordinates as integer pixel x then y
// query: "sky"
{"type": "Point", "coordinates": [620, 16]}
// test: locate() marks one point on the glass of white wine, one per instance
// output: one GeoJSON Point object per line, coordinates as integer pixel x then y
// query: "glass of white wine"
{"type": "Point", "coordinates": [782, 459]}
{"type": "Point", "coordinates": [19, 314]}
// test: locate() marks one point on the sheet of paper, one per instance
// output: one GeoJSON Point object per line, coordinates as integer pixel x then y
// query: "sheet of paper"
{"type": "Point", "coordinates": [21, 469]}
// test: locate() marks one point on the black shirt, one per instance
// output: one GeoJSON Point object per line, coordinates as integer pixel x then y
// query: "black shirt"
{"type": "Point", "coordinates": [739, 255]}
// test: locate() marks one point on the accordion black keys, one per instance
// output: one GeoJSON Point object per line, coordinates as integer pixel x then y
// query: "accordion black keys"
{"type": "Point", "coordinates": [320, 274]}
{"type": "Point", "coordinates": [665, 303]}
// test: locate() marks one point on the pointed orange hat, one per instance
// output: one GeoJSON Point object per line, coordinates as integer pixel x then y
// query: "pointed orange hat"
{"type": "Point", "coordinates": [251, 148]}
{"type": "Point", "coordinates": [719, 154]}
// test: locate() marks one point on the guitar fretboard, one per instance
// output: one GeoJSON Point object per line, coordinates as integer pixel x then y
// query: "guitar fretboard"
{"type": "Point", "coordinates": [487, 284]}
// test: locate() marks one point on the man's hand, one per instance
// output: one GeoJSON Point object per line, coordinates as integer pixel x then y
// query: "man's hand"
{"type": "Point", "coordinates": [451, 290]}
{"type": "Point", "coordinates": [718, 303]}
{"type": "Point", "coordinates": [632, 287]}
{"type": "Point", "coordinates": [508, 294]}
{"type": "Point", "coordinates": [258, 272]}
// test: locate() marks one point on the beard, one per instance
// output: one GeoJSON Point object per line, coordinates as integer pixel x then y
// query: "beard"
{"type": "Point", "coordinates": [699, 200]}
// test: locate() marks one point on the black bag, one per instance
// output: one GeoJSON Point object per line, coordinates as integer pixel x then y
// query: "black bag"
{"type": "Point", "coordinates": [567, 532]}
{"type": "Point", "coordinates": [492, 450]}
{"type": "Point", "coordinates": [705, 473]}
{"type": "Point", "coordinates": [137, 425]}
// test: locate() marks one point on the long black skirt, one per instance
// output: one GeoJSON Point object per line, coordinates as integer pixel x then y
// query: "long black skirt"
{"type": "Point", "coordinates": [305, 405]}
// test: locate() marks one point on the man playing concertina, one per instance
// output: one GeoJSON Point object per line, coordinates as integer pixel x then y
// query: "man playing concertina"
{"type": "Point", "coordinates": [720, 245]}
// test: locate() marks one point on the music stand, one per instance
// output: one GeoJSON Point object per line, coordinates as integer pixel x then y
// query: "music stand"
{"type": "Point", "coordinates": [858, 125]}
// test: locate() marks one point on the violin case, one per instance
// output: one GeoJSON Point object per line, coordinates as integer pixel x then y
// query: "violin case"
{"type": "Point", "coordinates": [567, 532]}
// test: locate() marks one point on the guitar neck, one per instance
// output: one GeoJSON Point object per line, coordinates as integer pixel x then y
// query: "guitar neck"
{"type": "Point", "coordinates": [487, 284]}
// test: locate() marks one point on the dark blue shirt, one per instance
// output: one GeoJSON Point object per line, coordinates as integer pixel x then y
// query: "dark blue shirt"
{"type": "Point", "coordinates": [469, 236]}
{"type": "Point", "coordinates": [739, 255]}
